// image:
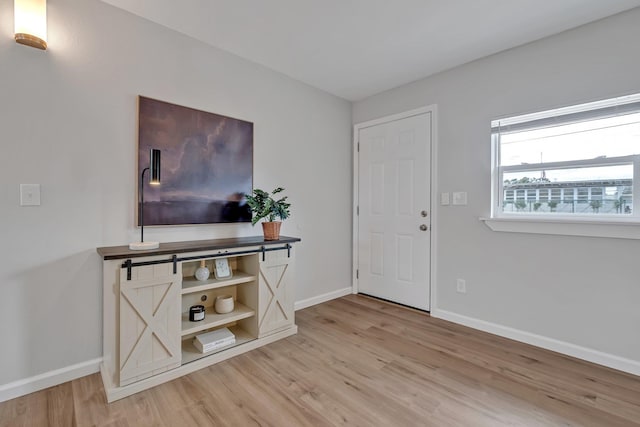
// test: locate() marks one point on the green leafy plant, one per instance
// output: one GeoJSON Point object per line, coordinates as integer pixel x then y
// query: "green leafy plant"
{"type": "Point", "coordinates": [552, 205]}
{"type": "Point", "coordinates": [520, 205]}
{"type": "Point", "coordinates": [536, 206]}
{"type": "Point", "coordinates": [618, 204]}
{"type": "Point", "coordinates": [263, 205]}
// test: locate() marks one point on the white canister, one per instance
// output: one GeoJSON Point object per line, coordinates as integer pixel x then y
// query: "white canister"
{"type": "Point", "coordinates": [224, 304]}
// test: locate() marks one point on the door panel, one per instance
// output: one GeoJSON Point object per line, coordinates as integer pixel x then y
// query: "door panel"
{"type": "Point", "coordinates": [276, 310]}
{"type": "Point", "coordinates": [394, 188]}
{"type": "Point", "coordinates": [149, 322]}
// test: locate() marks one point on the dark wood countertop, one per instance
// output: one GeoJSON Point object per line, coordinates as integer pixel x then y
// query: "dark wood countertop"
{"type": "Point", "coordinates": [122, 252]}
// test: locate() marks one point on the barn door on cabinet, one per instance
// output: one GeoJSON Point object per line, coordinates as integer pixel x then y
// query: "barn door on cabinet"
{"type": "Point", "coordinates": [149, 321]}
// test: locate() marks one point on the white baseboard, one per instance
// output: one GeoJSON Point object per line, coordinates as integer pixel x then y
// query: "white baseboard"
{"type": "Point", "coordinates": [299, 305]}
{"type": "Point", "coordinates": [584, 353]}
{"type": "Point", "coordinates": [48, 379]}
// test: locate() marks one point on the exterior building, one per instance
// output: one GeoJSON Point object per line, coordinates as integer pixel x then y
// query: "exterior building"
{"type": "Point", "coordinates": [608, 196]}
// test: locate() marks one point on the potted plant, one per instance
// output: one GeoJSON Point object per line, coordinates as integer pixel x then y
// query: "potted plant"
{"type": "Point", "coordinates": [264, 206]}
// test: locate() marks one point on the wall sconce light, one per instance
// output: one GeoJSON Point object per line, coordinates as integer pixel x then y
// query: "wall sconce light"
{"type": "Point", "coordinates": [30, 22]}
{"type": "Point", "coordinates": [154, 179]}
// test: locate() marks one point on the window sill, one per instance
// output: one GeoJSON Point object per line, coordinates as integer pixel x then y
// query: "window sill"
{"type": "Point", "coordinates": [566, 227]}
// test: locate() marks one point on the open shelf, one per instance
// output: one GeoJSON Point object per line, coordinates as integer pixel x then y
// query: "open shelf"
{"type": "Point", "coordinates": [190, 353]}
{"type": "Point", "coordinates": [191, 284]}
{"type": "Point", "coordinates": [213, 319]}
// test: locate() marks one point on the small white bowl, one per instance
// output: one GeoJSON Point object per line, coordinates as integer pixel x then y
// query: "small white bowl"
{"type": "Point", "coordinates": [224, 304]}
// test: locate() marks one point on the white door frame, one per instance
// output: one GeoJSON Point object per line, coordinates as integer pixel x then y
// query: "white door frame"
{"type": "Point", "coordinates": [434, 199]}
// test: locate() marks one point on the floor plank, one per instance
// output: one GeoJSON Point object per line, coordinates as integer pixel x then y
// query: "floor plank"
{"type": "Point", "coordinates": [358, 361]}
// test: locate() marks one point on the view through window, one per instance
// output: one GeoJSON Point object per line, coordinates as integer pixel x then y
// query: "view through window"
{"type": "Point", "coordinates": [571, 161]}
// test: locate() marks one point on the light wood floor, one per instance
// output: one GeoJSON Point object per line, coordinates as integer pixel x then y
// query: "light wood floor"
{"type": "Point", "coordinates": [359, 361]}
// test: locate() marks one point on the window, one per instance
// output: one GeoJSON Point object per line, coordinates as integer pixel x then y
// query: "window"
{"type": "Point", "coordinates": [571, 162]}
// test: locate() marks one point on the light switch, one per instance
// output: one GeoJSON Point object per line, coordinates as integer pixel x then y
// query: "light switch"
{"type": "Point", "coordinates": [29, 194]}
{"type": "Point", "coordinates": [460, 198]}
{"type": "Point", "coordinates": [444, 199]}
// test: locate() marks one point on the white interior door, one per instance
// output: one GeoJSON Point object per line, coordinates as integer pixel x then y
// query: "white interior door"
{"type": "Point", "coordinates": [394, 194]}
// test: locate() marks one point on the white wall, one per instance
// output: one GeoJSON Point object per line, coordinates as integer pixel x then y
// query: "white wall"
{"type": "Point", "coordinates": [68, 122]}
{"type": "Point", "coordinates": [578, 290]}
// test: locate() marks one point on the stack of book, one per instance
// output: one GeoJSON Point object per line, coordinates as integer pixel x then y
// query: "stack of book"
{"type": "Point", "coordinates": [214, 340]}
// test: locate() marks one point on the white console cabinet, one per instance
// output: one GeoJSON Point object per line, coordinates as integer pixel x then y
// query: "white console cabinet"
{"type": "Point", "coordinates": [148, 337]}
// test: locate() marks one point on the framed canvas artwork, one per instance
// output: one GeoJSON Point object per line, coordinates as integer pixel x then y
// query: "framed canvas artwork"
{"type": "Point", "coordinates": [207, 164]}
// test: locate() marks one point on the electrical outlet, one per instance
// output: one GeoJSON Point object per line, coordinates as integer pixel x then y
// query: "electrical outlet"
{"type": "Point", "coordinates": [461, 286]}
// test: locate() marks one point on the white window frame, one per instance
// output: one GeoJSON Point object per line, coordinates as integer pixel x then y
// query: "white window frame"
{"type": "Point", "coordinates": [595, 225]}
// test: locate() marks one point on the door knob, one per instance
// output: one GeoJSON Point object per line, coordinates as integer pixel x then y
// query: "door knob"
{"type": "Point", "coordinates": [424, 213]}
{"type": "Point", "coordinates": [423, 227]}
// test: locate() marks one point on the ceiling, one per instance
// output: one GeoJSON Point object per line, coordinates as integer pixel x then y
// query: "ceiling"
{"type": "Point", "coordinates": [357, 48]}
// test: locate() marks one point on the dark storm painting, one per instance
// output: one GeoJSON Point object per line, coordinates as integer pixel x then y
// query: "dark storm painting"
{"type": "Point", "coordinates": [207, 165]}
